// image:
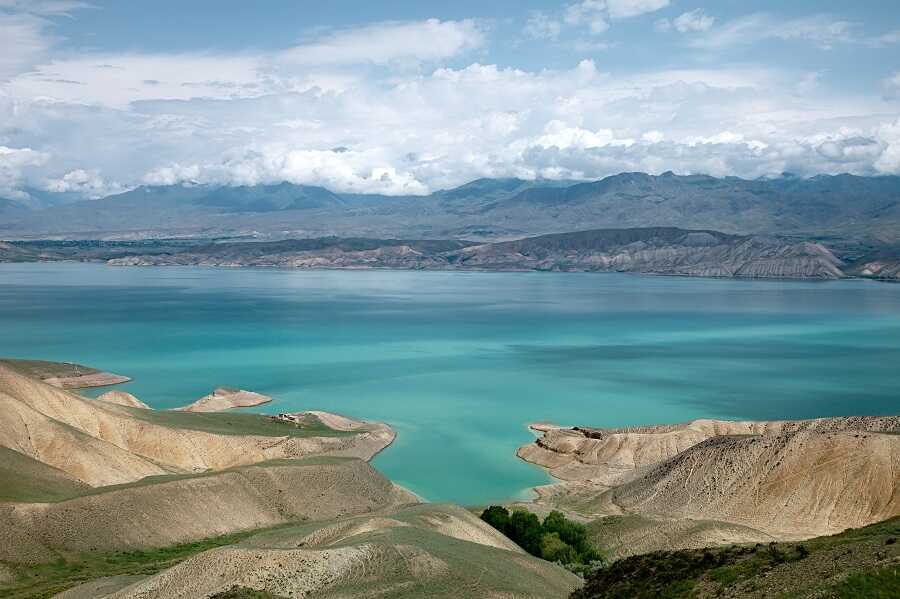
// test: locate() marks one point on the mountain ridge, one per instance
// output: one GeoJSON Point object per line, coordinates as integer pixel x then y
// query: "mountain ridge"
{"type": "Point", "coordinates": [845, 206]}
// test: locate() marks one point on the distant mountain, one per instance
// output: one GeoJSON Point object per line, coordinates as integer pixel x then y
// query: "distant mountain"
{"type": "Point", "coordinates": [654, 250]}
{"type": "Point", "coordinates": [37, 199]}
{"type": "Point", "coordinates": [842, 206]}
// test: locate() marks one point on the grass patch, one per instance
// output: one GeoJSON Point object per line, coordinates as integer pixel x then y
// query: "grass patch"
{"type": "Point", "coordinates": [237, 423]}
{"type": "Point", "coordinates": [245, 593]}
{"type": "Point", "coordinates": [45, 580]}
{"type": "Point", "coordinates": [19, 484]}
{"type": "Point", "coordinates": [874, 584]}
{"type": "Point", "coordinates": [25, 479]}
{"type": "Point", "coordinates": [843, 566]}
{"type": "Point", "coordinates": [42, 369]}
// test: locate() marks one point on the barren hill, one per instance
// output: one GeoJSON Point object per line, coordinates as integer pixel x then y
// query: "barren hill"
{"type": "Point", "coordinates": [167, 510]}
{"type": "Point", "coordinates": [416, 551]}
{"type": "Point", "coordinates": [223, 398]}
{"type": "Point", "coordinates": [782, 479]}
{"type": "Point", "coordinates": [103, 443]}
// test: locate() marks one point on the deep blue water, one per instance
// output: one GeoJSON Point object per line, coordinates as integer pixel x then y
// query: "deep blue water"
{"type": "Point", "coordinates": [459, 363]}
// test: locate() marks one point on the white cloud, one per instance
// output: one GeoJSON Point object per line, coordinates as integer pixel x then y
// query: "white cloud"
{"type": "Point", "coordinates": [384, 43]}
{"type": "Point", "coordinates": [889, 160]}
{"type": "Point", "coordinates": [13, 163]}
{"type": "Point", "coordinates": [623, 9]}
{"type": "Point", "coordinates": [24, 43]}
{"type": "Point", "coordinates": [822, 30]}
{"type": "Point", "coordinates": [591, 13]}
{"type": "Point", "coordinates": [87, 183]}
{"type": "Point", "coordinates": [43, 7]}
{"type": "Point", "coordinates": [695, 20]}
{"type": "Point", "coordinates": [345, 171]}
{"type": "Point", "coordinates": [540, 26]}
{"type": "Point", "coordinates": [343, 110]}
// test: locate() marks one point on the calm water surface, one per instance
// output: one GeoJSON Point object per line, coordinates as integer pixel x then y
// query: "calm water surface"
{"type": "Point", "coordinates": [459, 363]}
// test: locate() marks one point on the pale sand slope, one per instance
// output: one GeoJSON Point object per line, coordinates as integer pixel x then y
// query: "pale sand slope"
{"type": "Point", "coordinates": [417, 551]}
{"type": "Point", "coordinates": [123, 398]}
{"type": "Point", "coordinates": [65, 375]}
{"type": "Point", "coordinates": [102, 443]}
{"type": "Point", "coordinates": [172, 510]}
{"type": "Point", "coordinates": [785, 479]}
{"type": "Point", "coordinates": [621, 536]}
{"type": "Point", "coordinates": [223, 398]}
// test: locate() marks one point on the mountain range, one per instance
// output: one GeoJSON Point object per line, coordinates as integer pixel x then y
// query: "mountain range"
{"type": "Point", "coordinates": [825, 207]}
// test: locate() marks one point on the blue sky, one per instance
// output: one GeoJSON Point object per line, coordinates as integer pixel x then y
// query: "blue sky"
{"type": "Point", "coordinates": [408, 97]}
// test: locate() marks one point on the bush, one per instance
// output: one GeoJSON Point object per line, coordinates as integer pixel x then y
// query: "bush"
{"type": "Point", "coordinates": [498, 517]}
{"type": "Point", "coordinates": [557, 539]}
{"type": "Point", "coordinates": [525, 529]}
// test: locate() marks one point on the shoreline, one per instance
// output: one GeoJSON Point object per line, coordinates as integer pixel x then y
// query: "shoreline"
{"type": "Point", "coordinates": [275, 267]}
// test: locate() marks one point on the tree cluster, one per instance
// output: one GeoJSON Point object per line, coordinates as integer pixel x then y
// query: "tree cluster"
{"type": "Point", "coordinates": [556, 539]}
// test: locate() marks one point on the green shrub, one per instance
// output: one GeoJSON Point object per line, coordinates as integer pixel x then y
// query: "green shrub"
{"type": "Point", "coordinates": [556, 539]}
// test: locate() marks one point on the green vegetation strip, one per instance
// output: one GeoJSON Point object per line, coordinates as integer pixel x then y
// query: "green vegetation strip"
{"type": "Point", "coordinates": [46, 580]}
{"type": "Point", "coordinates": [857, 563]}
{"type": "Point", "coordinates": [236, 423]}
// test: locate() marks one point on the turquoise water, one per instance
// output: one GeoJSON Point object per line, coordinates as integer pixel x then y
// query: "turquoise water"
{"type": "Point", "coordinates": [459, 363]}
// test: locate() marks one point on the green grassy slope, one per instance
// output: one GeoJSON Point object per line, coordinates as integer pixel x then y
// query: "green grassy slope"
{"type": "Point", "coordinates": [25, 479]}
{"type": "Point", "coordinates": [237, 423]}
{"type": "Point", "coordinates": [46, 580]}
{"type": "Point", "coordinates": [861, 562]}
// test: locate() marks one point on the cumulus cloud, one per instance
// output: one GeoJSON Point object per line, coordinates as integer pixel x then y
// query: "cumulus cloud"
{"type": "Point", "coordinates": [889, 159]}
{"type": "Point", "coordinates": [345, 170]}
{"type": "Point", "coordinates": [13, 164]}
{"type": "Point", "coordinates": [87, 183]}
{"type": "Point", "coordinates": [594, 16]}
{"type": "Point", "coordinates": [344, 110]}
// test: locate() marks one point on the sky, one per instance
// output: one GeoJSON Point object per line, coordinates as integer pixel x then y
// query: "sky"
{"type": "Point", "coordinates": [408, 97]}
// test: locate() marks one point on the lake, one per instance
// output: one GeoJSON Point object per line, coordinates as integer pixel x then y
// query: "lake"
{"type": "Point", "coordinates": [460, 363]}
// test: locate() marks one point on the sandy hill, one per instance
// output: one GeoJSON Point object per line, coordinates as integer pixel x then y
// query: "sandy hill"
{"type": "Point", "coordinates": [66, 375]}
{"type": "Point", "coordinates": [224, 398]}
{"type": "Point", "coordinates": [415, 551]}
{"type": "Point", "coordinates": [193, 504]}
{"type": "Point", "coordinates": [741, 480]}
{"type": "Point", "coordinates": [123, 398]}
{"type": "Point", "coordinates": [168, 510]}
{"type": "Point", "coordinates": [103, 443]}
